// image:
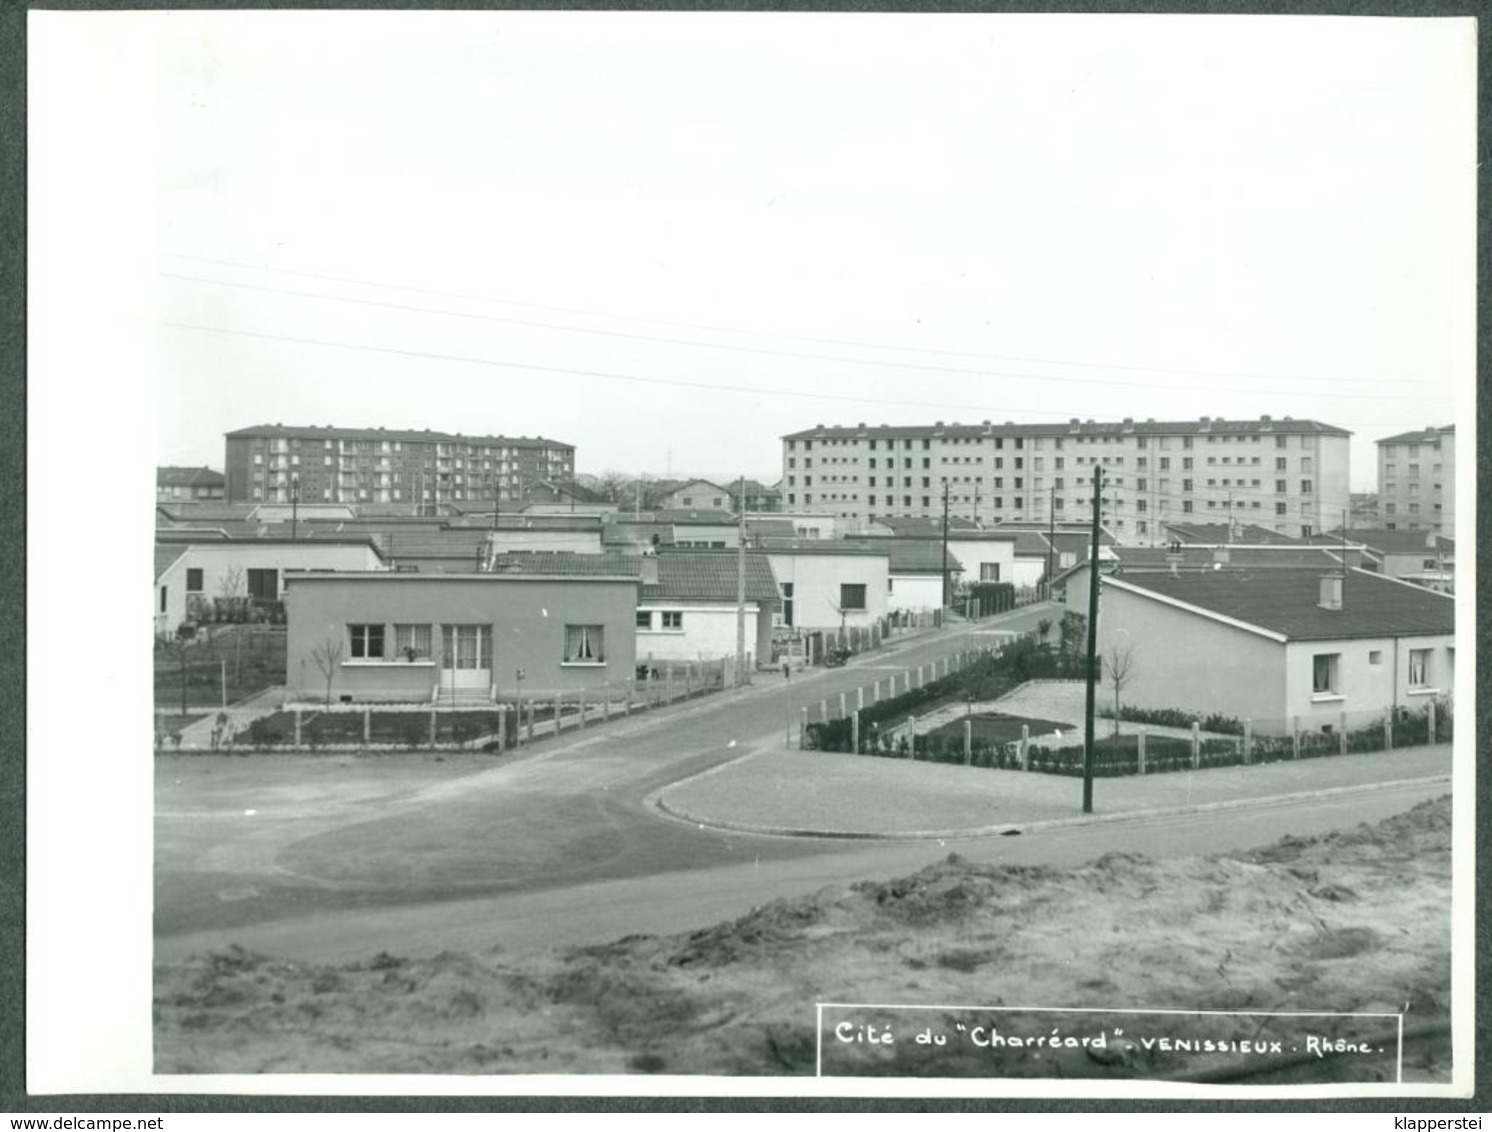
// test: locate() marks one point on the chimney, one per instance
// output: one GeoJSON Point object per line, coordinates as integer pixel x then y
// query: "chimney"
{"type": "Point", "coordinates": [649, 570]}
{"type": "Point", "coordinates": [1331, 591]}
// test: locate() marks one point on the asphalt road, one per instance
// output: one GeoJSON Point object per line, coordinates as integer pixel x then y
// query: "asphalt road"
{"type": "Point", "coordinates": [559, 844]}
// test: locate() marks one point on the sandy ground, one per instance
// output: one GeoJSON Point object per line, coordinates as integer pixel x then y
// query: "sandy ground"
{"type": "Point", "coordinates": [1354, 921]}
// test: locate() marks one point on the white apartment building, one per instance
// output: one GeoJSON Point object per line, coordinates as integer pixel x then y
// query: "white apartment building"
{"type": "Point", "coordinates": [1417, 481]}
{"type": "Point", "coordinates": [1290, 476]}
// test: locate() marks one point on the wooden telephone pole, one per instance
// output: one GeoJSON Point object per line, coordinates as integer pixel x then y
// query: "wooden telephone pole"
{"type": "Point", "coordinates": [1092, 647]}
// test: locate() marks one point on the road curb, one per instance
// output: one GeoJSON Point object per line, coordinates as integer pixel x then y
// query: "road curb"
{"type": "Point", "coordinates": [1006, 829]}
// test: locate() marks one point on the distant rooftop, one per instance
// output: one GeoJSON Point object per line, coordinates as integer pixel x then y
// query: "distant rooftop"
{"type": "Point", "coordinates": [425, 436]}
{"type": "Point", "coordinates": [1421, 436]}
{"type": "Point", "coordinates": [172, 476]}
{"type": "Point", "coordinates": [1073, 427]}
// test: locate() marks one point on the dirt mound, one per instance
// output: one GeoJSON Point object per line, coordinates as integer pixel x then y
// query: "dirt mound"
{"type": "Point", "coordinates": [1339, 923]}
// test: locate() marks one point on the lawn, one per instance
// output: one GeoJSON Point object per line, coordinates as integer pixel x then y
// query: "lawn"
{"type": "Point", "coordinates": [408, 728]}
{"type": "Point", "coordinates": [252, 658]}
{"type": "Point", "coordinates": [996, 727]}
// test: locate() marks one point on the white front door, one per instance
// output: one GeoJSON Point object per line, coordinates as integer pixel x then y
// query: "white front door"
{"type": "Point", "coordinates": [466, 656]}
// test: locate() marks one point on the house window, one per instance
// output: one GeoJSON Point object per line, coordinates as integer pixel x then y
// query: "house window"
{"type": "Point", "coordinates": [584, 644]}
{"type": "Point", "coordinates": [264, 585]}
{"type": "Point", "coordinates": [1419, 668]}
{"type": "Point", "coordinates": [411, 642]}
{"type": "Point", "coordinates": [163, 598]}
{"type": "Point", "coordinates": [644, 618]}
{"type": "Point", "coordinates": [367, 642]}
{"type": "Point", "coordinates": [672, 619]}
{"type": "Point", "coordinates": [1325, 673]}
{"type": "Point", "coordinates": [1375, 656]}
{"type": "Point", "coordinates": [989, 571]}
{"type": "Point", "coordinates": [787, 603]}
{"type": "Point", "coordinates": [194, 579]}
{"type": "Point", "coordinates": [851, 596]}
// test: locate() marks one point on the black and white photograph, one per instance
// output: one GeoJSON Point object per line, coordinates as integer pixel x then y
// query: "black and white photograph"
{"type": "Point", "coordinates": [751, 553]}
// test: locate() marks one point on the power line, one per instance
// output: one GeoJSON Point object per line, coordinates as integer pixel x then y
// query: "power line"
{"type": "Point", "coordinates": [797, 354]}
{"type": "Point", "coordinates": [430, 355]}
{"type": "Point", "coordinates": [1356, 381]}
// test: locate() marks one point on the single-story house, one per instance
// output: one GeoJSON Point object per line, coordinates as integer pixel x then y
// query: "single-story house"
{"type": "Point", "coordinates": [195, 572]}
{"type": "Point", "coordinates": [407, 637]}
{"type": "Point", "coordinates": [827, 583]}
{"type": "Point", "coordinates": [1071, 585]}
{"type": "Point", "coordinates": [173, 483]}
{"type": "Point", "coordinates": [687, 610]}
{"type": "Point", "coordinates": [1422, 557]}
{"type": "Point", "coordinates": [921, 576]}
{"type": "Point", "coordinates": [1276, 646]}
{"type": "Point", "coordinates": [699, 495]}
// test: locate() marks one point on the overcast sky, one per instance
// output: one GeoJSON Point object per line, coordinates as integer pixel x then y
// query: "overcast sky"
{"type": "Point", "coordinates": [670, 239]}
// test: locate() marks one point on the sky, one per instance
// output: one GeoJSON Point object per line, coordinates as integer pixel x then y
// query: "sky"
{"type": "Point", "coordinates": [670, 239]}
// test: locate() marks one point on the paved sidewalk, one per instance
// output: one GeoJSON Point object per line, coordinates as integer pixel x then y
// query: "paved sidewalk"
{"type": "Point", "coordinates": [827, 794]}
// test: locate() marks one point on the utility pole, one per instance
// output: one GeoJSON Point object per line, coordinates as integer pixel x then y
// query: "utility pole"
{"type": "Point", "coordinates": [294, 508]}
{"type": "Point", "coordinates": [1051, 538]}
{"type": "Point", "coordinates": [947, 600]}
{"type": "Point", "coordinates": [1092, 649]}
{"type": "Point", "coordinates": [741, 585]}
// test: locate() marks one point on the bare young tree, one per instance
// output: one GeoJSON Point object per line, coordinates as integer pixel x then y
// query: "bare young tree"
{"type": "Point", "coordinates": [1119, 670]}
{"type": "Point", "coordinates": [327, 656]}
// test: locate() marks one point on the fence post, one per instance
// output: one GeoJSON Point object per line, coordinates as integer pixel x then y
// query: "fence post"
{"type": "Point", "coordinates": [860, 698]}
{"type": "Point", "coordinates": [968, 741]}
{"type": "Point", "coordinates": [530, 721]}
{"type": "Point", "coordinates": [580, 698]}
{"type": "Point", "coordinates": [502, 728]}
{"type": "Point", "coordinates": [908, 675]}
{"type": "Point", "coordinates": [1295, 736]}
{"type": "Point", "coordinates": [559, 704]}
{"type": "Point", "coordinates": [668, 684]}
{"type": "Point", "coordinates": [912, 736]}
{"type": "Point", "coordinates": [606, 702]}
{"type": "Point", "coordinates": [1388, 730]}
{"type": "Point", "coordinates": [1248, 741]}
{"type": "Point", "coordinates": [1140, 747]}
{"type": "Point", "coordinates": [843, 706]}
{"type": "Point", "coordinates": [1429, 718]}
{"type": "Point", "coordinates": [855, 732]}
{"type": "Point", "coordinates": [875, 692]}
{"type": "Point", "coordinates": [1342, 733]}
{"type": "Point", "coordinates": [1196, 745]}
{"type": "Point", "coordinates": [688, 680]}
{"type": "Point", "coordinates": [367, 724]}
{"type": "Point", "coordinates": [945, 666]}
{"type": "Point", "coordinates": [1025, 746]}
{"type": "Point", "coordinates": [803, 730]}
{"type": "Point", "coordinates": [297, 727]}
{"type": "Point", "coordinates": [824, 710]}
{"type": "Point", "coordinates": [433, 725]}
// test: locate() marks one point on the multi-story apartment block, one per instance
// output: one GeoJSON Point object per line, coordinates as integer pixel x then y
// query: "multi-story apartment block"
{"type": "Point", "coordinates": [1417, 481]}
{"type": "Point", "coordinates": [1288, 475]}
{"type": "Point", "coordinates": [270, 463]}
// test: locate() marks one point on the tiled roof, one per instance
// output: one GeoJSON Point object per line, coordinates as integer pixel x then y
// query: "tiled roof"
{"type": "Point", "coordinates": [329, 432]}
{"type": "Point", "coordinates": [165, 557]}
{"type": "Point", "coordinates": [1073, 427]}
{"type": "Point", "coordinates": [1397, 542]}
{"type": "Point", "coordinates": [912, 556]}
{"type": "Point", "coordinates": [710, 575]}
{"type": "Point", "coordinates": [188, 477]}
{"type": "Point", "coordinates": [695, 517]}
{"type": "Point", "coordinates": [561, 563]}
{"type": "Point", "coordinates": [1221, 534]}
{"type": "Point", "coordinates": [1286, 602]}
{"type": "Point", "coordinates": [771, 528]}
{"type": "Point", "coordinates": [918, 526]}
{"type": "Point", "coordinates": [191, 512]}
{"type": "Point", "coordinates": [1419, 436]}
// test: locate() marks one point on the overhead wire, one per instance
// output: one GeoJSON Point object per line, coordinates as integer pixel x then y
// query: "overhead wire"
{"type": "Point", "coordinates": [716, 328]}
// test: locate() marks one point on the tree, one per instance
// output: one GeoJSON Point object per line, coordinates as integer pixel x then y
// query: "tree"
{"type": "Point", "coordinates": [1119, 669]}
{"type": "Point", "coordinates": [327, 657]}
{"type": "Point", "coordinates": [1044, 628]}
